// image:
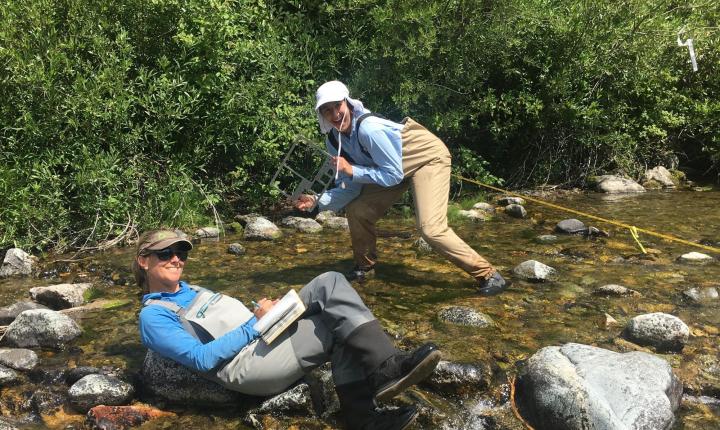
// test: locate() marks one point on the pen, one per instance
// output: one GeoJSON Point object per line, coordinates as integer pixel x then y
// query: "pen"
{"type": "Point", "coordinates": [255, 304]}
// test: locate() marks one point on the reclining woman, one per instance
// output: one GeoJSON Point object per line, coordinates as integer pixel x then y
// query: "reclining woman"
{"type": "Point", "coordinates": [337, 327]}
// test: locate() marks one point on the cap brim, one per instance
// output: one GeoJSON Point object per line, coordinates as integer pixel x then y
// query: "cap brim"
{"type": "Point", "coordinates": [169, 242]}
{"type": "Point", "coordinates": [327, 100]}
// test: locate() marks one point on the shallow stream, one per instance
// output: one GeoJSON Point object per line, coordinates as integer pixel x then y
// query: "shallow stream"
{"type": "Point", "coordinates": [409, 289]}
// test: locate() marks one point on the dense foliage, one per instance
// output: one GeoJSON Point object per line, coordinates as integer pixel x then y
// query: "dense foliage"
{"type": "Point", "coordinates": [153, 112]}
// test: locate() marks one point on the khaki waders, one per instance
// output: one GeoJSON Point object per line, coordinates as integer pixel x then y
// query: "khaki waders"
{"type": "Point", "coordinates": [426, 166]}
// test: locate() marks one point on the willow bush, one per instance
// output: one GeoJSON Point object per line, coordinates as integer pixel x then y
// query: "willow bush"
{"type": "Point", "coordinates": [154, 112]}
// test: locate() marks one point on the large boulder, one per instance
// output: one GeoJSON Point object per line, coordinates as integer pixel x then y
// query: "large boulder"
{"type": "Point", "coordinates": [16, 262]}
{"type": "Point", "coordinates": [582, 387]}
{"type": "Point", "coordinates": [660, 330]}
{"type": "Point", "coordinates": [259, 228]}
{"type": "Point", "coordinates": [60, 296]}
{"type": "Point", "coordinates": [41, 328]}
{"type": "Point", "coordinates": [177, 384]}
{"type": "Point", "coordinates": [94, 390]}
{"type": "Point", "coordinates": [10, 312]}
{"type": "Point", "coordinates": [612, 184]}
{"type": "Point", "coordinates": [659, 177]}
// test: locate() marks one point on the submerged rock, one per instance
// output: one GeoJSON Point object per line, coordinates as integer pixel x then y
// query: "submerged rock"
{"type": "Point", "coordinates": [463, 315]}
{"type": "Point", "coordinates": [701, 295]}
{"type": "Point", "coordinates": [614, 184]}
{"type": "Point", "coordinates": [60, 296]}
{"type": "Point", "coordinates": [18, 358]}
{"type": "Point", "coordinates": [422, 246]}
{"type": "Point", "coordinates": [303, 225]}
{"type": "Point", "coordinates": [515, 211]}
{"type": "Point", "coordinates": [48, 400]}
{"type": "Point", "coordinates": [532, 270]}
{"type": "Point", "coordinates": [615, 290]}
{"type": "Point", "coordinates": [695, 257]}
{"type": "Point", "coordinates": [16, 262]}
{"type": "Point", "coordinates": [236, 249]}
{"type": "Point", "coordinates": [546, 238]}
{"type": "Point", "coordinates": [42, 328]}
{"type": "Point", "coordinates": [123, 417]}
{"type": "Point", "coordinates": [10, 312]}
{"type": "Point", "coordinates": [7, 376]}
{"type": "Point", "coordinates": [459, 379]}
{"type": "Point", "coordinates": [260, 228]}
{"type": "Point", "coordinates": [94, 390]}
{"type": "Point", "coordinates": [175, 383]}
{"type": "Point", "coordinates": [581, 387]}
{"type": "Point", "coordinates": [663, 331]}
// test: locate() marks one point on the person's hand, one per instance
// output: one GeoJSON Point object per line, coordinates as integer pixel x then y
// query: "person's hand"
{"type": "Point", "coordinates": [264, 307]}
{"type": "Point", "coordinates": [305, 202]}
{"type": "Point", "coordinates": [342, 165]}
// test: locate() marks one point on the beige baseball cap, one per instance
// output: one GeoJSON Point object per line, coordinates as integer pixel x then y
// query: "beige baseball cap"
{"type": "Point", "coordinates": [161, 239]}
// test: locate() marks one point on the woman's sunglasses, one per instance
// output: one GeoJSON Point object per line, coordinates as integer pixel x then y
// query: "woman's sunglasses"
{"type": "Point", "coordinates": [166, 254]}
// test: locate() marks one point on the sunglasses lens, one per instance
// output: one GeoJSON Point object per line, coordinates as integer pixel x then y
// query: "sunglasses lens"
{"type": "Point", "coordinates": [182, 255]}
{"type": "Point", "coordinates": [164, 254]}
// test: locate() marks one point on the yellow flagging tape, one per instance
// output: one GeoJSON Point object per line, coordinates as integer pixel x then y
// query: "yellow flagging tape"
{"type": "Point", "coordinates": [597, 218]}
{"type": "Point", "coordinates": [634, 233]}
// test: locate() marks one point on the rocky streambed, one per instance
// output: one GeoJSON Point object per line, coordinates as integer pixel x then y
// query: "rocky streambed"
{"type": "Point", "coordinates": [592, 334]}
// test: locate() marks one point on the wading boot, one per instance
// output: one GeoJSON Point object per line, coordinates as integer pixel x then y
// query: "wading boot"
{"type": "Point", "coordinates": [403, 370]}
{"type": "Point", "coordinates": [359, 412]}
{"type": "Point", "coordinates": [493, 285]}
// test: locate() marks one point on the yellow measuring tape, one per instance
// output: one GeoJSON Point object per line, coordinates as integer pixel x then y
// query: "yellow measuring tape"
{"type": "Point", "coordinates": [633, 230]}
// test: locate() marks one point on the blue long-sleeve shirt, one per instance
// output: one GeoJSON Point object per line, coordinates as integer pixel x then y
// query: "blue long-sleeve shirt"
{"type": "Point", "coordinates": [162, 331]}
{"type": "Point", "coordinates": [382, 140]}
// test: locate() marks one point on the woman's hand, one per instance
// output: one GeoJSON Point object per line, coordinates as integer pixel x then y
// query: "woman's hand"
{"type": "Point", "coordinates": [305, 202]}
{"type": "Point", "coordinates": [342, 165]}
{"type": "Point", "coordinates": [264, 306]}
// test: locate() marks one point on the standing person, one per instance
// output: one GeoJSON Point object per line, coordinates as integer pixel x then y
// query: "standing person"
{"type": "Point", "coordinates": [377, 161]}
{"type": "Point", "coordinates": [337, 327]}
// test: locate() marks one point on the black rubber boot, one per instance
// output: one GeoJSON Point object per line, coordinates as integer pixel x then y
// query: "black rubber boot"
{"type": "Point", "coordinates": [358, 409]}
{"type": "Point", "coordinates": [370, 346]}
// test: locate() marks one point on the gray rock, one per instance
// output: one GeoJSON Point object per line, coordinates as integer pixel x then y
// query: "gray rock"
{"type": "Point", "coordinates": [207, 232]}
{"type": "Point", "coordinates": [615, 290]}
{"type": "Point", "coordinates": [7, 376]}
{"type": "Point", "coordinates": [462, 315]}
{"type": "Point", "coordinates": [581, 387]}
{"type": "Point", "coordinates": [510, 200]}
{"type": "Point", "coordinates": [18, 358]}
{"type": "Point", "coordinates": [661, 176]}
{"type": "Point", "coordinates": [7, 424]}
{"type": "Point", "coordinates": [49, 399]}
{"type": "Point", "coordinates": [177, 384]}
{"type": "Point", "coordinates": [293, 402]}
{"type": "Point", "coordinates": [459, 379]}
{"type": "Point", "coordinates": [570, 226]}
{"type": "Point", "coordinates": [515, 211]}
{"type": "Point", "coordinates": [261, 228]}
{"type": "Point", "coordinates": [236, 249]}
{"type": "Point", "coordinates": [422, 246]}
{"type": "Point", "coordinates": [473, 214]}
{"type": "Point", "coordinates": [324, 215]}
{"type": "Point", "coordinates": [695, 257]}
{"type": "Point", "coordinates": [336, 223]}
{"type": "Point", "coordinates": [612, 184]}
{"type": "Point", "coordinates": [484, 207]}
{"type": "Point", "coordinates": [663, 331]}
{"type": "Point", "coordinates": [303, 225]}
{"type": "Point", "coordinates": [532, 270]}
{"type": "Point", "coordinates": [10, 312]}
{"type": "Point", "coordinates": [702, 295]}
{"type": "Point", "coordinates": [41, 328]}
{"type": "Point", "coordinates": [93, 390]}
{"type": "Point", "coordinates": [546, 238]}
{"type": "Point", "coordinates": [16, 262]}
{"type": "Point", "coordinates": [321, 381]}
{"type": "Point", "coordinates": [247, 218]}
{"type": "Point", "coordinates": [60, 296]}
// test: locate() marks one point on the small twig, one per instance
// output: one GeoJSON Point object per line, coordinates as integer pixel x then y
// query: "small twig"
{"type": "Point", "coordinates": [514, 406]}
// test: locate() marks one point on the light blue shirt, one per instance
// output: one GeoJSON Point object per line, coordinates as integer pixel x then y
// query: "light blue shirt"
{"type": "Point", "coordinates": [162, 331]}
{"type": "Point", "coordinates": [381, 138]}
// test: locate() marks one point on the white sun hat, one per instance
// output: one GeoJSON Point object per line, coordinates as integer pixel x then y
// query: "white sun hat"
{"type": "Point", "coordinates": [333, 91]}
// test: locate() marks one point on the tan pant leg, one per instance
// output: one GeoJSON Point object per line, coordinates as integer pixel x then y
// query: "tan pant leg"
{"type": "Point", "coordinates": [363, 213]}
{"type": "Point", "coordinates": [431, 188]}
